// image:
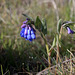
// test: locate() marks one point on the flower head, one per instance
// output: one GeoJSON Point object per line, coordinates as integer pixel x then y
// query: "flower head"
{"type": "Point", "coordinates": [28, 32]}
{"type": "Point", "coordinates": [70, 31]}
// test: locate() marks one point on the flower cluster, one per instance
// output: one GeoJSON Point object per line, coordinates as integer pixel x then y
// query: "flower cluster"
{"type": "Point", "coordinates": [27, 31]}
{"type": "Point", "coordinates": [70, 31]}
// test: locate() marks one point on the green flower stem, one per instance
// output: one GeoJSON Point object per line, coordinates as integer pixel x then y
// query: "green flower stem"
{"type": "Point", "coordinates": [58, 39]}
{"type": "Point", "coordinates": [47, 47]}
{"type": "Point", "coordinates": [1, 70]}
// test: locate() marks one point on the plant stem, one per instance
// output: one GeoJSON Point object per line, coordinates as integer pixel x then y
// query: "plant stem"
{"type": "Point", "coordinates": [57, 52]}
{"type": "Point", "coordinates": [57, 49]}
{"type": "Point", "coordinates": [1, 70]}
{"type": "Point", "coordinates": [47, 48]}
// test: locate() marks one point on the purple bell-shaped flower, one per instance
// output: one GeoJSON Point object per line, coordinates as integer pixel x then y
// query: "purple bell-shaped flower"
{"type": "Point", "coordinates": [28, 32]}
{"type": "Point", "coordinates": [70, 31]}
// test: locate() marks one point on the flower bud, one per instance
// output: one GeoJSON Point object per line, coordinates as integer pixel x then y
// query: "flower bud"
{"type": "Point", "coordinates": [23, 26]}
{"type": "Point", "coordinates": [25, 22]}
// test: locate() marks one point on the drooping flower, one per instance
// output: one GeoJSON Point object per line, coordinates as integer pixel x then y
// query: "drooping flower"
{"type": "Point", "coordinates": [22, 32]}
{"type": "Point", "coordinates": [28, 32]}
{"type": "Point", "coordinates": [70, 31]}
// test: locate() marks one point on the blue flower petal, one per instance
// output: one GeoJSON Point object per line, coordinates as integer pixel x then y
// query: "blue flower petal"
{"type": "Point", "coordinates": [33, 36]}
{"type": "Point", "coordinates": [70, 31]}
{"type": "Point", "coordinates": [29, 32]}
{"type": "Point", "coordinates": [23, 29]}
{"type": "Point", "coordinates": [29, 37]}
{"type": "Point", "coordinates": [22, 34]}
{"type": "Point", "coordinates": [30, 40]}
{"type": "Point", "coordinates": [26, 39]}
{"type": "Point", "coordinates": [32, 32]}
{"type": "Point", "coordinates": [25, 36]}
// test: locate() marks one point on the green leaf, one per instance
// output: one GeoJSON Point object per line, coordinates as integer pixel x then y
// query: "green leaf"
{"type": "Point", "coordinates": [1, 69]}
{"type": "Point", "coordinates": [59, 26]}
{"type": "Point", "coordinates": [41, 25]}
{"type": "Point", "coordinates": [27, 16]}
{"type": "Point", "coordinates": [44, 26]}
{"type": "Point", "coordinates": [2, 35]}
{"type": "Point", "coordinates": [54, 42]}
{"type": "Point", "coordinates": [67, 23]}
{"type": "Point", "coordinates": [38, 23]}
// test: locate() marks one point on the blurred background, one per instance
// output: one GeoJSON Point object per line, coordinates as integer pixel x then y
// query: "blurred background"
{"type": "Point", "coordinates": [19, 55]}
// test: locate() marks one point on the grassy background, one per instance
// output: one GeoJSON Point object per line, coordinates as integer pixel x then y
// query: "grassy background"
{"type": "Point", "coordinates": [19, 55]}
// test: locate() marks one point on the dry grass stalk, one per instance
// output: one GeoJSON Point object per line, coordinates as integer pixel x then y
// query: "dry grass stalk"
{"type": "Point", "coordinates": [64, 67]}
